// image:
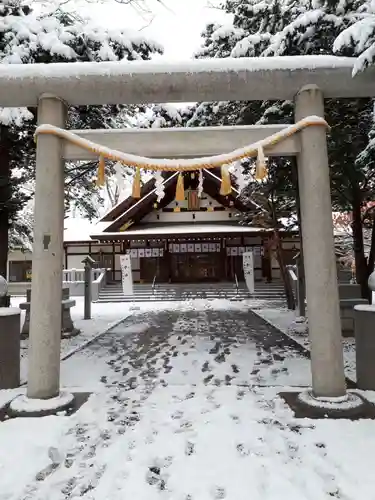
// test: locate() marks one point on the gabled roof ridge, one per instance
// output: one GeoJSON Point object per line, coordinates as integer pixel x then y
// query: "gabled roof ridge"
{"type": "Point", "coordinates": [206, 170]}
{"type": "Point", "coordinates": [153, 191]}
{"type": "Point", "coordinates": [124, 201]}
{"type": "Point", "coordinates": [143, 206]}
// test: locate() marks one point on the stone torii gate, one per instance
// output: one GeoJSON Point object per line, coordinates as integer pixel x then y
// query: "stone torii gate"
{"type": "Point", "coordinates": [307, 80]}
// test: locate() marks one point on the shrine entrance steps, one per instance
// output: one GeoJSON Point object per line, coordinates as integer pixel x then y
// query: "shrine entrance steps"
{"type": "Point", "coordinates": [264, 292]}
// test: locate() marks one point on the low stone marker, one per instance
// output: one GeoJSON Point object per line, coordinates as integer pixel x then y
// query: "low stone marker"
{"type": "Point", "coordinates": [350, 296]}
{"type": "Point", "coordinates": [67, 327]}
{"type": "Point", "coordinates": [10, 319]}
{"type": "Point", "coordinates": [4, 297]}
{"type": "Point", "coordinates": [365, 346]}
{"type": "Point", "coordinates": [349, 291]}
{"type": "Point", "coordinates": [347, 307]}
{"type": "Point", "coordinates": [364, 317]}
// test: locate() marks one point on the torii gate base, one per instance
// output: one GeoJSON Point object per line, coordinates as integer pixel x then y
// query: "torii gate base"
{"type": "Point", "coordinates": [328, 380]}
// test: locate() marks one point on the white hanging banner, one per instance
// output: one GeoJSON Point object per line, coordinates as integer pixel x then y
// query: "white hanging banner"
{"type": "Point", "coordinates": [248, 269]}
{"type": "Point", "coordinates": [126, 274]}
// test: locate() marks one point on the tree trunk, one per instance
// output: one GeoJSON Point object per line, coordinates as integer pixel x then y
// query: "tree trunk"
{"type": "Point", "coordinates": [284, 273]}
{"type": "Point", "coordinates": [371, 257]}
{"type": "Point", "coordinates": [300, 260]}
{"type": "Point", "coordinates": [359, 249]}
{"type": "Point", "coordinates": [5, 195]}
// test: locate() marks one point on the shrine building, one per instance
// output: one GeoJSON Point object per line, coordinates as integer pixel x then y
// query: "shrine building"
{"type": "Point", "coordinates": [195, 240]}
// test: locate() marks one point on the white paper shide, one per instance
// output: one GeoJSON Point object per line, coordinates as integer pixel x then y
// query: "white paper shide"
{"type": "Point", "coordinates": [126, 274]}
{"type": "Point", "coordinates": [248, 268]}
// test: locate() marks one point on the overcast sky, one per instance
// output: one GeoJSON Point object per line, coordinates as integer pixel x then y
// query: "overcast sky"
{"type": "Point", "coordinates": [177, 26]}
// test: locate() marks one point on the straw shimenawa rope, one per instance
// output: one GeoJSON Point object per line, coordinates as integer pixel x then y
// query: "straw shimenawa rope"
{"type": "Point", "coordinates": [183, 165]}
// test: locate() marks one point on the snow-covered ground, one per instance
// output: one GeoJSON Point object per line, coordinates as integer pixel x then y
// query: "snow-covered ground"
{"type": "Point", "coordinates": [185, 406]}
{"type": "Point", "coordinates": [106, 315]}
{"type": "Point", "coordinates": [285, 320]}
{"type": "Point", "coordinates": [103, 318]}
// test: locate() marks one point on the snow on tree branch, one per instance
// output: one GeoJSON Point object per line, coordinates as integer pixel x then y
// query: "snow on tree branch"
{"type": "Point", "coordinates": [26, 37]}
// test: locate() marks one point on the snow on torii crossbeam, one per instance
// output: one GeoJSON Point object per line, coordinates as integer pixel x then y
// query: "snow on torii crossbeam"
{"type": "Point", "coordinates": [254, 149]}
{"type": "Point", "coordinates": [306, 79]}
{"type": "Point", "coordinates": [196, 80]}
{"type": "Point", "coordinates": [180, 142]}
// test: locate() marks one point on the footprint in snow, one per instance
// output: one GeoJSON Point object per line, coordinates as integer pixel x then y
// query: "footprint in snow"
{"type": "Point", "coordinates": [208, 379]}
{"type": "Point", "coordinates": [206, 367]}
{"type": "Point", "coordinates": [177, 414]}
{"type": "Point", "coordinates": [219, 493]}
{"type": "Point", "coordinates": [189, 448]}
{"type": "Point", "coordinates": [153, 478]}
{"type": "Point", "coordinates": [242, 450]}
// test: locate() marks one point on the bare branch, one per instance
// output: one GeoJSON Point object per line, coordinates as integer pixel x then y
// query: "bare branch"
{"type": "Point", "coordinates": [148, 24]}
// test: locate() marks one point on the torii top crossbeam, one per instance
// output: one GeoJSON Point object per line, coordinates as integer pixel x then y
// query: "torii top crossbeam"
{"type": "Point", "coordinates": [196, 80]}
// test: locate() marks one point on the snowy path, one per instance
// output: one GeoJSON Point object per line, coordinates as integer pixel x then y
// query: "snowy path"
{"type": "Point", "coordinates": [285, 321]}
{"type": "Point", "coordinates": [186, 408]}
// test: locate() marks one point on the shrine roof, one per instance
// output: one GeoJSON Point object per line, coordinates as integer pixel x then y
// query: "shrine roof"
{"type": "Point", "coordinates": [179, 230]}
{"type": "Point", "coordinates": [134, 210]}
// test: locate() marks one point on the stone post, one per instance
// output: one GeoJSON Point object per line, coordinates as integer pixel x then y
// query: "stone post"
{"type": "Point", "coordinates": [45, 319]}
{"type": "Point", "coordinates": [300, 286]}
{"type": "Point", "coordinates": [364, 318]}
{"type": "Point", "coordinates": [88, 291]}
{"type": "Point", "coordinates": [88, 262]}
{"type": "Point", "coordinates": [327, 366]}
{"type": "Point", "coordinates": [10, 319]}
{"type": "Point", "coordinates": [4, 297]}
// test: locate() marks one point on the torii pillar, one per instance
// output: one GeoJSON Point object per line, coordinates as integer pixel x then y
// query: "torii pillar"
{"type": "Point", "coordinates": [47, 263]}
{"type": "Point", "coordinates": [327, 365]}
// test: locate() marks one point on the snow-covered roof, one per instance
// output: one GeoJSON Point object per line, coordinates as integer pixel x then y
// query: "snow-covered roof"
{"type": "Point", "coordinates": [193, 80]}
{"type": "Point", "coordinates": [179, 230]}
{"type": "Point", "coordinates": [136, 203]}
{"type": "Point", "coordinates": [77, 229]}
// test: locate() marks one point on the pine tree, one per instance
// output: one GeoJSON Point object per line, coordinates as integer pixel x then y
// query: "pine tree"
{"type": "Point", "coordinates": [162, 116]}
{"type": "Point", "coordinates": [273, 207]}
{"type": "Point", "coordinates": [358, 37]}
{"type": "Point", "coordinates": [323, 30]}
{"type": "Point", "coordinates": [289, 27]}
{"type": "Point", "coordinates": [26, 37]}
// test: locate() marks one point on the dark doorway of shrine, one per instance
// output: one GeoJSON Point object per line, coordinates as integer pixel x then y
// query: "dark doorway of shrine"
{"type": "Point", "coordinates": [154, 268]}
{"type": "Point", "coordinates": [195, 268]}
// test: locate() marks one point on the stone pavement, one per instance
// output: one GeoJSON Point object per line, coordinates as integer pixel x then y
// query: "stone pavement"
{"type": "Point", "coordinates": [187, 407]}
{"type": "Point", "coordinates": [158, 363]}
{"type": "Point", "coordinates": [213, 347]}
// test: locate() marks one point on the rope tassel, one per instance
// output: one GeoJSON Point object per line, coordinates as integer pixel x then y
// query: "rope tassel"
{"type": "Point", "coordinates": [261, 168]}
{"type": "Point", "coordinates": [136, 191]}
{"type": "Point", "coordinates": [180, 188]}
{"type": "Point", "coordinates": [100, 179]}
{"type": "Point", "coordinates": [226, 186]}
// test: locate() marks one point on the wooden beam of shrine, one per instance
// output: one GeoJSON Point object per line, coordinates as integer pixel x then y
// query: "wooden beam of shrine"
{"type": "Point", "coordinates": [181, 142]}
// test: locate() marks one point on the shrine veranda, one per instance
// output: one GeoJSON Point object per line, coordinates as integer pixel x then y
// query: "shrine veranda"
{"type": "Point", "coordinates": [306, 79]}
